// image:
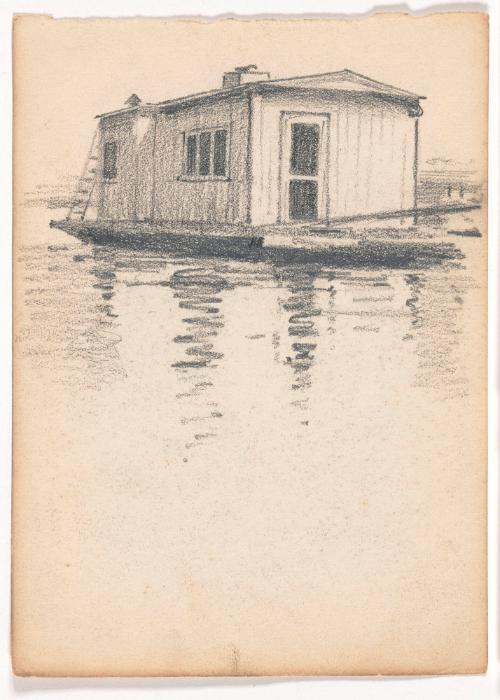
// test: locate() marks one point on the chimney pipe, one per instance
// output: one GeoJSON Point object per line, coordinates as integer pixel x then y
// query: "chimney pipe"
{"type": "Point", "coordinates": [242, 75]}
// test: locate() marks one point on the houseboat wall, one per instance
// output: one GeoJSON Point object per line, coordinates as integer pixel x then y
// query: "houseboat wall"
{"type": "Point", "coordinates": [116, 196]}
{"type": "Point", "coordinates": [151, 182]}
{"type": "Point", "coordinates": [366, 159]}
{"type": "Point", "coordinates": [180, 197]}
{"type": "Point", "coordinates": [367, 156]}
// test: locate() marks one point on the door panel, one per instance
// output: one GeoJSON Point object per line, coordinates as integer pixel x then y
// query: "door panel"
{"type": "Point", "coordinates": [305, 149]}
{"type": "Point", "coordinates": [303, 200]}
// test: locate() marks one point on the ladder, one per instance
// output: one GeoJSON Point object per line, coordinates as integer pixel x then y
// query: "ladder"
{"type": "Point", "coordinates": [86, 183]}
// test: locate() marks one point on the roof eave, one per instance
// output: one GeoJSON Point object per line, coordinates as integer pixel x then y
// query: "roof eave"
{"type": "Point", "coordinates": [148, 107]}
{"type": "Point", "coordinates": [191, 100]}
{"type": "Point", "coordinates": [307, 88]}
{"type": "Point", "coordinates": [348, 74]}
{"type": "Point", "coordinates": [269, 86]}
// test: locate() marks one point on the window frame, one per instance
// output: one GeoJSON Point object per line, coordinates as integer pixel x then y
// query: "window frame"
{"type": "Point", "coordinates": [210, 176]}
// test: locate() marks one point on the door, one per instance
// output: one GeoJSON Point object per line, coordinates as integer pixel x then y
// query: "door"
{"type": "Point", "coordinates": [304, 167]}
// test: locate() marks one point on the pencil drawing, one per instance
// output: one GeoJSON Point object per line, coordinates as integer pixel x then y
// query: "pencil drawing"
{"type": "Point", "coordinates": [310, 183]}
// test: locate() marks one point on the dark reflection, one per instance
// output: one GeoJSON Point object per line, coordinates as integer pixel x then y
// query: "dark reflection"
{"type": "Point", "coordinates": [104, 272]}
{"type": "Point", "coordinates": [302, 331]}
{"type": "Point", "coordinates": [415, 284]}
{"type": "Point", "coordinates": [199, 291]}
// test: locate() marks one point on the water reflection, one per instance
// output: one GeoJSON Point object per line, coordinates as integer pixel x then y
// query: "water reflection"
{"type": "Point", "coordinates": [84, 303]}
{"type": "Point", "coordinates": [301, 310]}
{"type": "Point", "coordinates": [436, 304]}
{"type": "Point", "coordinates": [199, 291]}
{"type": "Point", "coordinates": [71, 331]}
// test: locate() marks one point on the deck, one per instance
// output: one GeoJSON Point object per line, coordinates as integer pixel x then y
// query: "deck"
{"type": "Point", "coordinates": [357, 241]}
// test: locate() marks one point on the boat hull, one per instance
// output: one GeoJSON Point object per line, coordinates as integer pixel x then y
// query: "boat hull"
{"type": "Point", "coordinates": [340, 252]}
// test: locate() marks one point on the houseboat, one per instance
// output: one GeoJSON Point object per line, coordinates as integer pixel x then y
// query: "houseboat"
{"type": "Point", "coordinates": [255, 156]}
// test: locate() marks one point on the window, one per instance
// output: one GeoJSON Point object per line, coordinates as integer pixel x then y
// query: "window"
{"type": "Point", "coordinates": [205, 154]}
{"type": "Point", "coordinates": [110, 153]}
{"type": "Point", "coordinates": [220, 152]}
{"type": "Point", "coordinates": [205, 141]}
{"type": "Point", "coordinates": [191, 155]}
{"type": "Point", "coordinates": [303, 200]}
{"type": "Point", "coordinates": [305, 149]}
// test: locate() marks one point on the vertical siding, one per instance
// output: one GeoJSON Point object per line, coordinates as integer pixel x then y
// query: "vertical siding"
{"type": "Point", "coordinates": [370, 159]}
{"type": "Point", "coordinates": [262, 169]}
{"type": "Point", "coordinates": [145, 137]}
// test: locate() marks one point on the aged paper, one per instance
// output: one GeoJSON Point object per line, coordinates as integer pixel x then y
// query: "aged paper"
{"type": "Point", "coordinates": [250, 346]}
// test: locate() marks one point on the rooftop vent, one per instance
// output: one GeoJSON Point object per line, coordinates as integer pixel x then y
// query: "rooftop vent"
{"type": "Point", "coordinates": [242, 75]}
{"type": "Point", "coordinates": [133, 100]}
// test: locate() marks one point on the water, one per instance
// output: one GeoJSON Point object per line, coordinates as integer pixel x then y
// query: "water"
{"type": "Point", "coordinates": [194, 409]}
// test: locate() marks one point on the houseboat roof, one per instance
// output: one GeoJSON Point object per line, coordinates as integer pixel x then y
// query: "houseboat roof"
{"type": "Point", "coordinates": [340, 81]}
